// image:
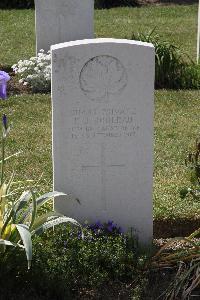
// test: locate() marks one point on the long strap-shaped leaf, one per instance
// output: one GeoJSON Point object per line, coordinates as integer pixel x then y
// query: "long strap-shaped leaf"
{"type": "Point", "coordinates": [16, 208]}
{"type": "Point", "coordinates": [53, 223]}
{"type": "Point", "coordinates": [8, 243]}
{"type": "Point", "coordinates": [44, 218]}
{"type": "Point", "coordinates": [46, 197]}
{"type": "Point", "coordinates": [26, 239]}
{"type": "Point", "coordinates": [39, 202]}
{"type": "Point", "coordinates": [34, 211]}
{"type": "Point", "coordinates": [24, 198]}
{"type": "Point", "coordinates": [7, 158]}
{"type": "Point", "coordinates": [10, 182]}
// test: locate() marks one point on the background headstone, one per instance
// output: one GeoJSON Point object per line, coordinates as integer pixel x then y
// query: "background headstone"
{"type": "Point", "coordinates": [59, 21]}
{"type": "Point", "coordinates": [102, 93]}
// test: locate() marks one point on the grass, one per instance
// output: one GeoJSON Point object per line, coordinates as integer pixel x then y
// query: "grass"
{"type": "Point", "coordinates": [176, 128]}
{"type": "Point", "coordinates": [176, 112]}
{"type": "Point", "coordinates": [177, 24]}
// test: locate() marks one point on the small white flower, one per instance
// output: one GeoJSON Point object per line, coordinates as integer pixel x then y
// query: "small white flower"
{"type": "Point", "coordinates": [36, 71]}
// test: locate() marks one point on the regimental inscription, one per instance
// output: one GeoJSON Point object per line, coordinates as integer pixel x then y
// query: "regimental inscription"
{"type": "Point", "coordinates": [104, 122]}
{"type": "Point", "coordinates": [103, 76]}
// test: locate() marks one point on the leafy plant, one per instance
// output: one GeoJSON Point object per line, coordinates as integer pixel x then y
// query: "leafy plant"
{"type": "Point", "coordinates": [173, 69]}
{"type": "Point", "coordinates": [69, 266]}
{"type": "Point", "coordinates": [19, 220]}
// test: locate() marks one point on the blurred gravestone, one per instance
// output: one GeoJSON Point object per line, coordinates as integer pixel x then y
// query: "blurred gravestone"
{"type": "Point", "coordinates": [60, 21]}
{"type": "Point", "coordinates": [102, 92]}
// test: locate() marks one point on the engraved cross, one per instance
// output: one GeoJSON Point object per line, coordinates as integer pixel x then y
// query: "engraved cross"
{"type": "Point", "coordinates": [103, 166]}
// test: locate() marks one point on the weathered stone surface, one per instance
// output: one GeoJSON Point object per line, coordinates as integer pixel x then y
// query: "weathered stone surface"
{"type": "Point", "coordinates": [59, 21]}
{"type": "Point", "coordinates": [102, 92]}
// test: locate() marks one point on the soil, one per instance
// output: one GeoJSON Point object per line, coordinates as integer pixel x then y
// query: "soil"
{"type": "Point", "coordinates": [13, 86]}
{"type": "Point", "coordinates": [175, 228]}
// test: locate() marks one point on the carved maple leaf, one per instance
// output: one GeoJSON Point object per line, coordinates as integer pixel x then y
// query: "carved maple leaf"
{"type": "Point", "coordinates": [102, 76]}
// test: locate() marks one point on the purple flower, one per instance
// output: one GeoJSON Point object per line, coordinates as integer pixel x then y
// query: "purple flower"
{"type": "Point", "coordinates": [79, 235]}
{"type": "Point", "coordinates": [120, 230]}
{"type": "Point", "coordinates": [5, 121]}
{"type": "Point", "coordinates": [99, 225]}
{"type": "Point", "coordinates": [4, 77]}
{"type": "Point", "coordinates": [110, 226]}
{"type": "Point", "coordinates": [110, 223]}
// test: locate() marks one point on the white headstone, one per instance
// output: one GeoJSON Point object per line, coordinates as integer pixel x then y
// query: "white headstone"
{"type": "Point", "coordinates": [102, 92]}
{"type": "Point", "coordinates": [59, 21]}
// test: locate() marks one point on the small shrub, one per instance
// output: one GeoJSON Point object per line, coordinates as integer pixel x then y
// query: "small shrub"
{"type": "Point", "coordinates": [64, 263]}
{"type": "Point", "coordinates": [35, 72]}
{"type": "Point", "coordinates": [173, 69]}
{"type": "Point", "coordinates": [84, 262]}
{"type": "Point", "coordinates": [19, 219]}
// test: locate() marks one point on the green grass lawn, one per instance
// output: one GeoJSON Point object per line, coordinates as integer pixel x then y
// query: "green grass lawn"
{"type": "Point", "coordinates": [176, 112]}
{"type": "Point", "coordinates": [177, 24]}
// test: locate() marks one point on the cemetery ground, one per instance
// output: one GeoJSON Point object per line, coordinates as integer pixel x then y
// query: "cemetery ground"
{"type": "Point", "coordinates": [176, 114]}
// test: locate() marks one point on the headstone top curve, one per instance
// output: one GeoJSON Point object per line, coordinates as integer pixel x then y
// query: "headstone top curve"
{"type": "Point", "coordinates": [99, 41]}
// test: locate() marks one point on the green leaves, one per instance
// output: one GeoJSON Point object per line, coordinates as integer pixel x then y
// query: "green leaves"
{"type": "Point", "coordinates": [46, 197]}
{"type": "Point", "coordinates": [25, 236]}
{"type": "Point", "coordinates": [53, 222]}
{"type": "Point", "coordinates": [23, 200]}
{"type": "Point", "coordinates": [18, 217]}
{"type": "Point", "coordinates": [174, 69]}
{"type": "Point", "coordinates": [183, 193]}
{"type": "Point", "coordinates": [8, 243]}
